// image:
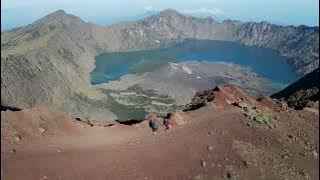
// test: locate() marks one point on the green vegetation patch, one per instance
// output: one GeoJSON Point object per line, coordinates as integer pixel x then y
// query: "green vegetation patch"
{"type": "Point", "coordinates": [261, 118]}
{"type": "Point", "coordinates": [135, 102]}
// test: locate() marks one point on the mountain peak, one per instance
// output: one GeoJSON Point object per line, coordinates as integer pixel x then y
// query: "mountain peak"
{"type": "Point", "coordinates": [58, 12]}
{"type": "Point", "coordinates": [59, 17]}
{"type": "Point", "coordinates": [170, 12]}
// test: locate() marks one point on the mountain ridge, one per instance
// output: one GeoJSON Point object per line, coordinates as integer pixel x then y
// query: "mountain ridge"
{"type": "Point", "coordinates": [50, 60]}
{"type": "Point", "coordinates": [302, 92]}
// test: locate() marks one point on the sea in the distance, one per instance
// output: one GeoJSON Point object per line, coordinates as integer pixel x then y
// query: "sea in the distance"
{"type": "Point", "coordinates": [264, 62]}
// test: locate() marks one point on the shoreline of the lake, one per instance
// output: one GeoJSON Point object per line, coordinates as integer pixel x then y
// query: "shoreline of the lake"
{"type": "Point", "coordinates": [176, 84]}
{"type": "Point", "coordinates": [112, 66]}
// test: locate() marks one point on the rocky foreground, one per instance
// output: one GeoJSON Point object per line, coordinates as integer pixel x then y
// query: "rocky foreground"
{"type": "Point", "coordinates": [234, 136]}
{"type": "Point", "coordinates": [303, 92]}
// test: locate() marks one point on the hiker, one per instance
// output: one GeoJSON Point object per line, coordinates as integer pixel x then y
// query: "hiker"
{"type": "Point", "coordinates": [168, 121]}
{"type": "Point", "coordinates": [152, 122]}
{"type": "Point", "coordinates": [153, 125]}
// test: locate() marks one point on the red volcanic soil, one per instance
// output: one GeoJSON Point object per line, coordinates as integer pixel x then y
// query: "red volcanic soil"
{"type": "Point", "coordinates": [215, 142]}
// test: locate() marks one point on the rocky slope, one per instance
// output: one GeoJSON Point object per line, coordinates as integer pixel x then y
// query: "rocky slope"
{"type": "Point", "coordinates": [222, 140]}
{"type": "Point", "coordinates": [302, 92]}
{"type": "Point", "coordinates": [50, 60]}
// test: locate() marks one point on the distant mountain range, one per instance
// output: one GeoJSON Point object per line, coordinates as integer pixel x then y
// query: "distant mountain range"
{"type": "Point", "coordinates": [50, 60]}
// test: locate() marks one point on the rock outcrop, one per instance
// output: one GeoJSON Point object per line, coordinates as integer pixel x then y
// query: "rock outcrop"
{"type": "Point", "coordinates": [200, 99]}
{"type": "Point", "coordinates": [50, 60]}
{"type": "Point", "coordinates": [303, 92]}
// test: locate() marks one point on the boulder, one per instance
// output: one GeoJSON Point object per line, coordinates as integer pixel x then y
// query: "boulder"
{"type": "Point", "coordinates": [200, 99]}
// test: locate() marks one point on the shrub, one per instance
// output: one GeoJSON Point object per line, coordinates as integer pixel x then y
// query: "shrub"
{"type": "Point", "coordinates": [261, 118]}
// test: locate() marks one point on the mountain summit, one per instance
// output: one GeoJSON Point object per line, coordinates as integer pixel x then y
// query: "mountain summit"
{"type": "Point", "coordinates": [58, 18]}
{"type": "Point", "coordinates": [170, 12]}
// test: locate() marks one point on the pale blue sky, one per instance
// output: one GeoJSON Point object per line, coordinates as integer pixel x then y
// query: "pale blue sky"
{"type": "Point", "coordinates": [288, 12]}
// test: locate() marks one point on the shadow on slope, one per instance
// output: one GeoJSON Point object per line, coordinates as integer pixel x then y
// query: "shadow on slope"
{"type": "Point", "coordinates": [6, 108]}
{"type": "Point", "coordinates": [301, 92]}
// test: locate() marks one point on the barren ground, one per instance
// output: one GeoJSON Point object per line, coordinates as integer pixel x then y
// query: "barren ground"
{"type": "Point", "coordinates": [212, 143]}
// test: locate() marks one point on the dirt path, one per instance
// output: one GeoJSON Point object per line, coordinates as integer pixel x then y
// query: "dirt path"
{"type": "Point", "coordinates": [216, 143]}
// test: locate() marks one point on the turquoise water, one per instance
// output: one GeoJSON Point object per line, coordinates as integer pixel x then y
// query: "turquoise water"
{"type": "Point", "coordinates": [265, 62]}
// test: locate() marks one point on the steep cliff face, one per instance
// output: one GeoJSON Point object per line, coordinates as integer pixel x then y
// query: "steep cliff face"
{"type": "Point", "coordinates": [50, 60]}
{"type": "Point", "coordinates": [302, 92]}
{"type": "Point", "coordinates": [45, 62]}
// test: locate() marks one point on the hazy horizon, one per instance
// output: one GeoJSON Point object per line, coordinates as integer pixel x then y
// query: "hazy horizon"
{"type": "Point", "coordinates": [15, 13]}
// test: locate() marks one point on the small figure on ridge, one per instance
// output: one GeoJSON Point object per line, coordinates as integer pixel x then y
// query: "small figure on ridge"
{"type": "Point", "coordinates": [168, 121]}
